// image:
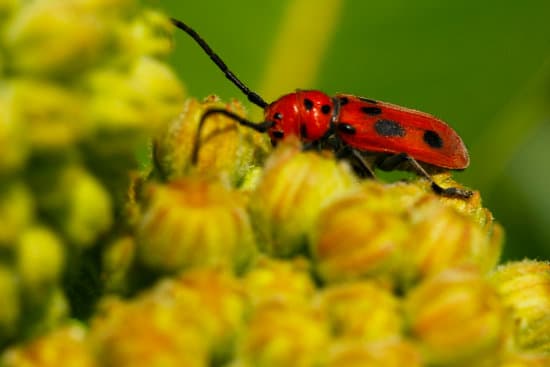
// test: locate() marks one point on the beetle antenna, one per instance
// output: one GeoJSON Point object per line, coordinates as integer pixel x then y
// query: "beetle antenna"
{"type": "Point", "coordinates": [252, 96]}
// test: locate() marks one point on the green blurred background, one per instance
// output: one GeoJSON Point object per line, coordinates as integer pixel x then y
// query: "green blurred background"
{"type": "Point", "coordinates": [482, 66]}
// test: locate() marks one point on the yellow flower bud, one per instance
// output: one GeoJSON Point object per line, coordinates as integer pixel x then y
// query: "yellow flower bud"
{"type": "Point", "coordinates": [14, 144]}
{"type": "Point", "coordinates": [40, 259]}
{"type": "Point", "coordinates": [525, 289]}
{"type": "Point", "coordinates": [213, 299]}
{"type": "Point", "coordinates": [359, 235]}
{"type": "Point", "coordinates": [194, 222]}
{"type": "Point", "coordinates": [16, 211]}
{"type": "Point", "coordinates": [85, 207]}
{"type": "Point", "coordinates": [117, 259]}
{"type": "Point", "coordinates": [362, 311]}
{"type": "Point", "coordinates": [225, 148]}
{"type": "Point", "coordinates": [185, 321]}
{"type": "Point", "coordinates": [442, 237]}
{"type": "Point", "coordinates": [474, 209]}
{"type": "Point", "coordinates": [387, 353]}
{"type": "Point", "coordinates": [286, 282]}
{"type": "Point", "coordinates": [456, 317]}
{"type": "Point", "coordinates": [53, 115]}
{"type": "Point", "coordinates": [148, 34]}
{"type": "Point", "coordinates": [146, 334]}
{"type": "Point", "coordinates": [10, 312]}
{"type": "Point", "coordinates": [66, 346]}
{"type": "Point", "coordinates": [54, 37]}
{"type": "Point", "coordinates": [129, 104]}
{"type": "Point", "coordinates": [294, 188]}
{"type": "Point", "coordinates": [278, 335]}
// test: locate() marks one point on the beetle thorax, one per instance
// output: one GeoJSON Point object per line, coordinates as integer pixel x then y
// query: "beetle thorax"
{"type": "Point", "coordinates": [306, 114]}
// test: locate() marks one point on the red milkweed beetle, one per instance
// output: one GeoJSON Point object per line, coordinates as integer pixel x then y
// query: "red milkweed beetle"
{"type": "Point", "coordinates": [367, 132]}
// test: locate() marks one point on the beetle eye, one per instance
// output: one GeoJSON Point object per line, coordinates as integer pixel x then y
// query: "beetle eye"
{"type": "Point", "coordinates": [277, 116]}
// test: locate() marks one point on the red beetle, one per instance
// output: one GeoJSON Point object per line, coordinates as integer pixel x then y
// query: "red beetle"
{"type": "Point", "coordinates": [369, 133]}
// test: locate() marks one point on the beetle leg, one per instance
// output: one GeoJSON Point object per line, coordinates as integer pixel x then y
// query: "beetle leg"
{"type": "Point", "coordinates": [357, 161]}
{"type": "Point", "coordinates": [362, 163]}
{"type": "Point", "coordinates": [394, 161]}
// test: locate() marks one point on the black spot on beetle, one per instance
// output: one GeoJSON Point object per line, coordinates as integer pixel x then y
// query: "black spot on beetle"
{"type": "Point", "coordinates": [325, 109]}
{"type": "Point", "coordinates": [344, 101]}
{"type": "Point", "coordinates": [368, 100]}
{"type": "Point", "coordinates": [389, 128]}
{"type": "Point", "coordinates": [371, 111]}
{"type": "Point", "coordinates": [346, 128]}
{"type": "Point", "coordinates": [308, 104]}
{"type": "Point", "coordinates": [277, 116]}
{"type": "Point", "coordinates": [433, 139]}
{"type": "Point", "coordinates": [303, 131]}
{"type": "Point", "coordinates": [278, 134]}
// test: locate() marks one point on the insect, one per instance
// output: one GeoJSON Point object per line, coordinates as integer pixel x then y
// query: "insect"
{"type": "Point", "coordinates": [370, 134]}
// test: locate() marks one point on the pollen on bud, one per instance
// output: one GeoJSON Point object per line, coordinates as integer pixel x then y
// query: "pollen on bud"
{"type": "Point", "coordinates": [525, 288]}
{"type": "Point", "coordinates": [442, 237]}
{"type": "Point", "coordinates": [192, 222]}
{"type": "Point", "coordinates": [388, 353]}
{"type": "Point", "coordinates": [457, 318]}
{"type": "Point", "coordinates": [287, 282]}
{"type": "Point", "coordinates": [278, 335]}
{"type": "Point", "coordinates": [224, 147]}
{"type": "Point", "coordinates": [294, 187]}
{"type": "Point", "coordinates": [362, 310]}
{"type": "Point", "coordinates": [66, 346]}
{"type": "Point", "coordinates": [359, 235]}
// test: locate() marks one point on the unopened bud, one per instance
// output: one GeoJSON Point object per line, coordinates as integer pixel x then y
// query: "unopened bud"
{"type": "Point", "coordinates": [387, 353]}
{"type": "Point", "coordinates": [294, 188]}
{"type": "Point", "coordinates": [192, 222]}
{"type": "Point", "coordinates": [287, 282]}
{"type": "Point", "coordinates": [66, 346]}
{"type": "Point", "coordinates": [457, 318]}
{"type": "Point", "coordinates": [362, 310]}
{"type": "Point", "coordinates": [359, 235]}
{"type": "Point", "coordinates": [525, 289]}
{"type": "Point", "coordinates": [278, 335]}
{"type": "Point", "coordinates": [223, 147]}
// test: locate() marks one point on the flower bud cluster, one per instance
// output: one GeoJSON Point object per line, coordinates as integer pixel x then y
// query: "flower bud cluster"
{"type": "Point", "coordinates": [82, 84]}
{"type": "Point", "coordinates": [223, 253]}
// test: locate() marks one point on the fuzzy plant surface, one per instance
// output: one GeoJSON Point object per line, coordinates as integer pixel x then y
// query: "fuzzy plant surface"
{"type": "Point", "coordinates": [251, 256]}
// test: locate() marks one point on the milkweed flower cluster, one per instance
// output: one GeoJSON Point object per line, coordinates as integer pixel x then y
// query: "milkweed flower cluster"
{"type": "Point", "coordinates": [250, 256]}
{"type": "Point", "coordinates": [82, 84]}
